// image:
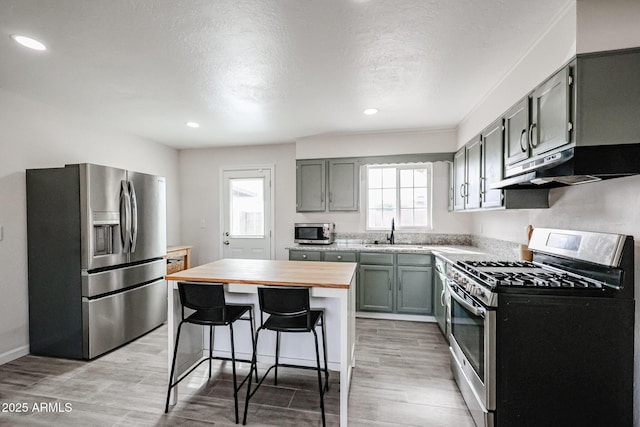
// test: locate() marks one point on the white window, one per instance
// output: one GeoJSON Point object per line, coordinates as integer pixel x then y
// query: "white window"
{"type": "Point", "coordinates": [402, 192]}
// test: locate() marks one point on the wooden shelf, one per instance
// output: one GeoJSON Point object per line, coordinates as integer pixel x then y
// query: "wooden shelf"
{"type": "Point", "coordinates": [178, 258]}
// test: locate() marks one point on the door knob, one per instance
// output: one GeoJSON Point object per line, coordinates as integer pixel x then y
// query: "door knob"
{"type": "Point", "coordinates": [226, 242]}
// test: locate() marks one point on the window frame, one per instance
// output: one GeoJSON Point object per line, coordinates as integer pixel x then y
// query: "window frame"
{"type": "Point", "coordinates": [397, 215]}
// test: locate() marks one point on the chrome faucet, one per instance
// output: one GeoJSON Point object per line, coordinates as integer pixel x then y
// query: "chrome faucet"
{"type": "Point", "coordinates": [390, 238]}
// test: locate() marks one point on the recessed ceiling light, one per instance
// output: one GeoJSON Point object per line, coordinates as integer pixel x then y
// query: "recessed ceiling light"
{"type": "Point", "coordinates": [370, 111]}
{"type": "Point", "coordinates": [192, 124]}
{"type": "Point", "coordinates": [29, 42]}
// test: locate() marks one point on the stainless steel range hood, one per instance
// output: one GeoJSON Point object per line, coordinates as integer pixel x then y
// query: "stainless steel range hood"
{"type": "Point", "coordinates": [575, 165]}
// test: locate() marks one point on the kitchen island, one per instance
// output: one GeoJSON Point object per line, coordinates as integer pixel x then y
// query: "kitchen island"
{"type": "Point", "coordinates": [332, 289]}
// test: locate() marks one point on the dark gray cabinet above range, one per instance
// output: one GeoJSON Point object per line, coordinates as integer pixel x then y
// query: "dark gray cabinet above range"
{"type": "Point", "coordinates": [480, 163]}
{"type": "Point", "coordinates": [332, 183]}
{"type": "Point", "coordinates": [579, 125]}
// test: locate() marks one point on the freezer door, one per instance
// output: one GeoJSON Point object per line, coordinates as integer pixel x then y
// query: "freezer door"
{"type": "Point", "coordinates": [100, 218]}
{"type": "Point", "coordinates": [116, 319]}
{"type": "Point", "coordinates": [118, 279]}
{"type": "Point", "coordinates": [148, 216]}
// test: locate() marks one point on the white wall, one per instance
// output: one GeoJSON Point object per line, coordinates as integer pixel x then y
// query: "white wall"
{"type": "Point", "coordinates": [606, 25]}
{"type": "Point", "coordinates": [35, 136]}
{"type": "Point", "coordinates": [551, 51]}
{"type": "Point", "coordinates": [200, 190]}
{"type": "Point", "coordinates": [376, 144]}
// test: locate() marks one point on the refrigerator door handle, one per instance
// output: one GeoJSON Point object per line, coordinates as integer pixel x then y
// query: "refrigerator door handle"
{"type": "Point", "coordinates": [134, 216]}
{"type": "Point", "coordinates": [125, 217]}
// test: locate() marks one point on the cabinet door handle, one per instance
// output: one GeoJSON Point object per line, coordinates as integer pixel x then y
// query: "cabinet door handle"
{"type": "Point", "coordinates": [523, 140]}
{"type": "Point", "coordinates": [532, 144]}
{"type": "Point", "coordinates": [482, 185]}
{"type": "Point", "coordinates": [304, 256]}
{"type": "Point", "coordinates": [442, 298]}
{"type": "Point", "coordinates": [389, 281]}
{"type": "Point", "coordinates": [339, 257]}
{"type": "Point", "coordinates": [461, 190]}
{"type": "Point", "coordinates": [400, 285]}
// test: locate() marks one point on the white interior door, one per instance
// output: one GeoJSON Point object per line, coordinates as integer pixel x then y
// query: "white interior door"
{"type": "Point", "coordinates": [247, 213]}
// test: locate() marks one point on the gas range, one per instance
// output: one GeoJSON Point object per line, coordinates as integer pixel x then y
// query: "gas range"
{"type": "Point", "coordinates": [550, 339]}
{"type": "Point", "coordinates": [549, 273]}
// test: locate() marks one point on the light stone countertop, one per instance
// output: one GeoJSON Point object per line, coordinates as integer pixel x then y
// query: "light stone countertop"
{"type": "Point", "coordinates": [396, 248]}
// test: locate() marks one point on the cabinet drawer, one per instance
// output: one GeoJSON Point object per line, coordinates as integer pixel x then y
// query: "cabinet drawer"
{"type": "Point", "coordinates": [376, 258]}
{"type": "Point", "coordinates": [414, 259]}
{"type": "Point", "coordinates": [304, 255]}
{"type": "Point", "coordinates": [340, 256]}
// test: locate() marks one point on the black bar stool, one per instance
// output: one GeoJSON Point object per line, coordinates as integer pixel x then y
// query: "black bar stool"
{"type": "Point", "coordinates": [289, 311]}
{"type": "Point", "coordinates": [207, 299]}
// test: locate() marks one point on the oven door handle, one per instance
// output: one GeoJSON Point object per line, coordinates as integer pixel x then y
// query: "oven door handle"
{"type": "Point", "coordinates": [478, 311]}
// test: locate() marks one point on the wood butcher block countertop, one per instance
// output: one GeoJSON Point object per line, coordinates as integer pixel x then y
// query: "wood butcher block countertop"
{"type": "Point", "coordinates": [271, 272]}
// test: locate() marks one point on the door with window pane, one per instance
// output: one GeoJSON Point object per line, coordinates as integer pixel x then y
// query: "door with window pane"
{"type": "Point", "coordinates": [246, 214]}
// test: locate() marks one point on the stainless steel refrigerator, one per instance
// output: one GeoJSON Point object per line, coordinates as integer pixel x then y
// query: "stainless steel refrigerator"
{"type": "Point", "coordinates": [96, 242]}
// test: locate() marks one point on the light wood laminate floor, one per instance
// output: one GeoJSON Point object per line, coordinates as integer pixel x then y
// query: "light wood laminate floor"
{"type": "Point", "coordinates": [402, 378]}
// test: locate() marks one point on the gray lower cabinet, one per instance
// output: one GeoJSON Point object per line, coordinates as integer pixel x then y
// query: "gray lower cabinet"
{"type": "Point", "coordinates": [440, 304]}
{"type": "Point", "coordinates": [305, 256]}
{"type": "Point", "coordinates": [415, 290]}
{"type": "Point", "coordinates": [340, 257]}
{"type": "Point", "coordinates": [401, 283]}
{"type": "Point", "coordinates": [376, 288]}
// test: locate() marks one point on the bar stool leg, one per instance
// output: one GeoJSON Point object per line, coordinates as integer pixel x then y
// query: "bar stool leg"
{"type": "Point", "coordinates": [324, 348]}
{"type": "Point", "coordinates": [275, 382]}
{"type": "Point", "coordinates": [320, 386]}
{"type": "Point", "coordinates": [233, 367]}
{"type": "Point", "coordinates": [253, 366]}
{"type": "Point", "coordinates": [210, 348]}
{"type": "Point", "coordinates": [173, 367]}
{"type": "Point", "coordinates": [253, 337]}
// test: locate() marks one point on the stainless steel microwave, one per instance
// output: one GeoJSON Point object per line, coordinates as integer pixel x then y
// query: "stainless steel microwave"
{"type": "Point", "coordinates": [314, 233]}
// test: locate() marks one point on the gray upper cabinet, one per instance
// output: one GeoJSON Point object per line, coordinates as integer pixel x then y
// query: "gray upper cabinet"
{"type": "Point", "coordinates": [312, 176]}
{"type": "Point", "coordinates": [451, 189]}
{"type": "Point", "coordinates": [541, 121]}
{"type": "Point", "coordinates": [459, 176]}
{"type": "Point", "coordinates": [516, 126]}
{"type": "Point", "coordinates": [492, 164]}
{"type": "Point", "coordinates": [311, 184]}
{"type": "Point", "coordinates": [551, 125]}
{"type": "Point", "coordinates": [466, 174]}
{"type": "Point", "coordinates": [343, 184]}
{"type": "Point", "coordinates": [474, 167]}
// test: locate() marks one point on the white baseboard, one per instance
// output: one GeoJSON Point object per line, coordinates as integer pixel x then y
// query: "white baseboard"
{"type": "Point", "coordinates": [393, 316]}
{"type": "Point", "coordinates": [10, 355]}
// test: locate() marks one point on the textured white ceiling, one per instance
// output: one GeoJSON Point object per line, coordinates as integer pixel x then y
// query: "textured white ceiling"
{"type": "Point", "coordinates": [266, 71]}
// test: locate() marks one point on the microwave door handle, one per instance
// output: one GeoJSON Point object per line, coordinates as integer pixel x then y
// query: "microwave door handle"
{"type": "Point", "coordinates": [475, 310]}
{"type": "Point", "coordinates": [134, 216]}
{"type": "Point", "coordinates": [125, 216]}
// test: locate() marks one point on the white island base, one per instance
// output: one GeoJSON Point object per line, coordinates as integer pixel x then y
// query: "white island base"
{"type": "Point", "coordinates": [295, 349]}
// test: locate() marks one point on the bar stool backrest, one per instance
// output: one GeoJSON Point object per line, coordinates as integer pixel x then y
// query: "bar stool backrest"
{"type": "Point", "coordinates": [285, 301]}
{"type": "Point", "coordinates": [198, 296]}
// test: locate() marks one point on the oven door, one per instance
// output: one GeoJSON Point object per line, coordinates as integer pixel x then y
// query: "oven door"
{"type": "Point", "coordinates": [472, 344]}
